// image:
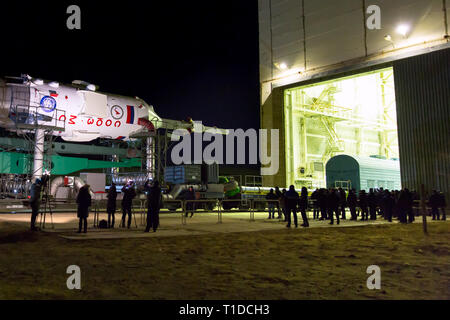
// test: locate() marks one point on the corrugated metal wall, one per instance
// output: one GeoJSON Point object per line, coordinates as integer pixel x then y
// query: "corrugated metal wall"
{"type": "Point", "coordinates": [422, 86]}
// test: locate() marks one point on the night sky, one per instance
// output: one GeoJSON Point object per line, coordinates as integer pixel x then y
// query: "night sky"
{"type": "Point", "coordinates": [194, 59]}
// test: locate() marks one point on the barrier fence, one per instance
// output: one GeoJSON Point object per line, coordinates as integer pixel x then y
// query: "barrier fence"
{"type": "Point", "coordinates": [182, 207]}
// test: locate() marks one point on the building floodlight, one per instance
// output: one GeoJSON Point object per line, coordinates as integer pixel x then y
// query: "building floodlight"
{"type": "Point", "coordinates": [403, 29]}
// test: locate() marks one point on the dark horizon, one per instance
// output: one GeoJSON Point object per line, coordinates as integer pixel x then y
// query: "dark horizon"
{"type": "Point", "coordinates": [197, 60]}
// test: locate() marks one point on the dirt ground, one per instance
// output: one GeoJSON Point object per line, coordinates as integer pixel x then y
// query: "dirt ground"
{"type": "Point", "coordinates": [321, 263]}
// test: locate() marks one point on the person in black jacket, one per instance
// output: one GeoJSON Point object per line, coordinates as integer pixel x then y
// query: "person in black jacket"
{"type": "Point", "coordinates": [190, 206]}
{"type": "Point", "coordinates": [342, 202]}
{"type": "Point", "coordinates": [35, 201]}
{"type": "Point", "coordinates": [372, 203]}
{"type": "Point", "coordinates": [128, 195]}
{"type": "Point", "coordinates": [84, 202]}
{"type": "Point", "coordinates": [279, 208]}
{"type": "Point", "coordinates": [388, 204]}
{"type": "Point", "coordinates": [363, 205]}
{"type": "Point", "coordinates": [443, 206]}
{"type": "Point", "coordinates": [333, 206]}
{"type": "Point", "coordinates": [291, 200]}
{"type": "Point", "coordinates": [314, 198]}
{"type": "Point", "coordinates": [352, 202]}
{"type": "Point", "coordinates": [154, 202]}
{"type": "Point", "coordinates": [303, 204]}
{"type": "Point", "coordinates": [434, 203]}
{"type": "Point", "coordinates": [111, 205]}
{"type": "Point", "coordinates": [282, 200]}
{"type": "Point", "coordinates": [271, 198]}
{"type": "Point", "coordinates": [322, 203]}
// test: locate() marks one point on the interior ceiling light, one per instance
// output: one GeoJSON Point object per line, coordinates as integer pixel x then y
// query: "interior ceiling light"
{"type": "Point", "coordinates": [283, 66]}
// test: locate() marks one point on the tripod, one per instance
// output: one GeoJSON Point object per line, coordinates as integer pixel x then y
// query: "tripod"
{"type": "Point", "coordinates": [47, 204]}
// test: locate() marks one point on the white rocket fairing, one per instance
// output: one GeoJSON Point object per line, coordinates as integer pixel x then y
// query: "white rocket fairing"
{"type": "Point", "coordinates": [77, 112]}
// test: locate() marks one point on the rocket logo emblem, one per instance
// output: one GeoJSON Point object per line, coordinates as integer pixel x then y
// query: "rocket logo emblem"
{"type": "Point", "coordinates": [117, 112]}
{"type": "Point", "coordinates": [48, 104]}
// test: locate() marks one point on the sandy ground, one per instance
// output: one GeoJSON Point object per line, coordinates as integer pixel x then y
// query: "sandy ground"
{"type": "Point", "coordinates": [237, 259]}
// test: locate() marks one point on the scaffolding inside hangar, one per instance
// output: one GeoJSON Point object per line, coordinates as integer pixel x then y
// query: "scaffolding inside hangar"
{"type": "Point", "coordinates": [353, 115]}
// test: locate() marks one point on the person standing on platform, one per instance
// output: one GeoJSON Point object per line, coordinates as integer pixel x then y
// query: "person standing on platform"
{"type": "Point", "coordinates": [410, 202]}
{"type": "Point", "coordinates": [35, 202]}
{"type": "Point", "coordinates": [372, 202]}
{"type": "Point", "coordinates": [190, 206]}
{"type": "Point", "coordinates": [333, 206]}
{"type": "Point", "coordinates": [271, 198]}
{"type": "Point", "coordinates": [342, 202]}
{"type": "Point", "coordinates": [443, 206]}
{"type": "Point", "coordinates": [127, 202]}
{"type": "Point", "coordinates": [434, 203]}
{"type": "Point", "coordinates": [388, 204]}
{"type": "Point", "coordinates": [111, 205]}
{"type": "Point", "coordinates": [363, 205]}
{"type": "Point", "coordinates": [352, 202]}
{"type": "Point", "coordinates": [322, 203]}
{"type": "Point", "coordinates": [278, 204]}
{"type": "Point", "coordinates": [314, 198]}
{"type": "Point", "coordinates": [84, 202]}
{"type": "Point", "coordinates": [303, 204]}
{"type": "Point", "coordinates": [154, 202]}
{"type": "Point", "coordinates": [292, 199]}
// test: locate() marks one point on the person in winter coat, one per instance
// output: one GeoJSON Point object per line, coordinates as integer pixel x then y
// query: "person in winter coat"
{"type": "Point", "coordinates": [278, 204]}
{"type": "Point", "coordinates": [190, 206]}
{"type": "Point", "coordinates": [363, 203]}
{"type": "Point", "coordinates": [434, 203]}
{"type": "Point", "coordinates": [352, 202]}
{"type": "Point", "coordinates": [111, 205]}
{"type": "Point", "coordinates": [342, 202]}
{"type": "Point", "coordinates": [322, 203]}
{"type": "Point", "coordinates": [35, 201]}
{"type": "Point", "coordinates": [443, 206]}
{"type": "Point", "coordinates": [84, 202]}
{"type": "Point", "coordinates": [271, 198]}
{"type": "Point", "coordinates": [128, 195]}
{"type": "Point", "coordinates": [314, 198]}
{"type": "Point", "coordinates": [292, 199]}
{"type": "Point", "coordinates": [154, 201]}
{"type": "Point", "coordinates": [303, 205]}
{"type": "Point", "coordinates": [333, 205]}
{"type": "Point", "coordinates": [372, 202]}
{"type": "Point", "coordinates": [388, 203]}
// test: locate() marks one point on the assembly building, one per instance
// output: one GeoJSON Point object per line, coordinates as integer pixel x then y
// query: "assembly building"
{"type": "Point", "coordinates": [368, 79]}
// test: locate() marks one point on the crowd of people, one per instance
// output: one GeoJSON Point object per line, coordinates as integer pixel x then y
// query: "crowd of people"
{"type": "Point", "coordinates": [326, 204]}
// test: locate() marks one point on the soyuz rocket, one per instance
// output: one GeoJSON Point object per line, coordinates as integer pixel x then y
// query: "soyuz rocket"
{"type": "Point", "coordinates": [77, 113]}
{"type": "Point", "coordinates": [80, 112]}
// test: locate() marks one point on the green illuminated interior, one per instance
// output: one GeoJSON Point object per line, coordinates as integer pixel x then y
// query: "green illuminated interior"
{"type": "Point", "coordinates": [354, 115]}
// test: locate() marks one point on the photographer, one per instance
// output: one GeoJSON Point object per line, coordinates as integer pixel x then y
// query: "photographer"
{"type": "Point", "coordinates": [35, 201]}
{"type": "Point", "coordinates": [111, 205]}
{"type": "Point", "coordinates": [128, 195]}
{"type": "Point", "coordinates": [153, 204]}
{"type": "Point", "coordinates": [84, 202]}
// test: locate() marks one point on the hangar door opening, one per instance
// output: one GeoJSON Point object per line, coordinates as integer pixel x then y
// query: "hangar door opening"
{"type": "Point", "coordinates": [355, 116]}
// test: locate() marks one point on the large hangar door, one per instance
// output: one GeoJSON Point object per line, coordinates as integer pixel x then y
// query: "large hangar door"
{"type": "Point", "coordinates": [422, 90]}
